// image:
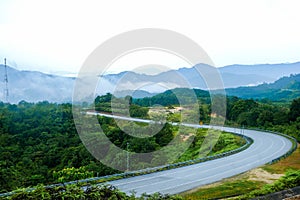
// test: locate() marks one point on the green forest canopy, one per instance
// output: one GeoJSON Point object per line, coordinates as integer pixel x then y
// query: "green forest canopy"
{"type": "Point", "coordinates": [39, 140]}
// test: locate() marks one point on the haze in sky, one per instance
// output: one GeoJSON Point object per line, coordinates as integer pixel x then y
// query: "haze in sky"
{"type": "Point", "coordinates": [57, 36]}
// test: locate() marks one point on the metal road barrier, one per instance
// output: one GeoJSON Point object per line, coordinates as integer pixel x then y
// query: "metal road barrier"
{"type": "Point", "coordinates": [102, 179]}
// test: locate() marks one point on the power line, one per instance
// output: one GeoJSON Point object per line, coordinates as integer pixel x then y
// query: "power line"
{"type": "Point", "coordinates": [127, 157]}
{"type": "Point", "coordinates": [5, 81]}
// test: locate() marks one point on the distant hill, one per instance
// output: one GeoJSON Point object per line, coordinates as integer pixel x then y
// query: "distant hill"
{"type": "Point", "coordinates": [233, 76]}
{"type": "Point", "coordinates": [175, 96]}
{"type": "Point", "coordinates": [272, 71]}
{"type": "Point", "coordinates": [34, 86]}
{"type": "Point", "coordinates": [137, 94]}
{"type": "Point", "coordinates": [284, 89]}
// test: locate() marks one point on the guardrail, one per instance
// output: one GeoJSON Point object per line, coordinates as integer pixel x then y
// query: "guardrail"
{"type": "Point", "coordinates": [102, 179]}
{"type": "Point", "coordinates": [285, 194]}
{"type": "Point", "coordinates": [248, 140]}
{"type": "Point", "coordinates": [292, 139]}
{"type": "Point", "coordinates": [98, 180]}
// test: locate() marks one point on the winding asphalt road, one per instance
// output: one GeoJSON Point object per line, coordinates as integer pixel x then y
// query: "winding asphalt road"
{"type": "Point", "coordinates": [265, 148]}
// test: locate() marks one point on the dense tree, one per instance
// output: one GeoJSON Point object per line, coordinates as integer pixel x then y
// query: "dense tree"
{"type": "Point", "coordinates": [294, 110]}
{"type": "Point", "coordinates": [36, 139]}
{"type": "Point", "coordinates": [265, 114]}
{"type": "Point", "coordinates": [104, 99]}
{"type": "Point", "coordinates": [241, 106]}
{"type": "Point", "coordinates": [68, 192]}
{"type": "Point", "coordinates": [165, 136]}
{"type": "Point", "coordinates": [246, 119]}
{"type": "Point", "coordinates": [265, 118]}
{"type": "Point", "coordinates": [138, 111]}
{"type": "Point", "coordinates": [70, 174]}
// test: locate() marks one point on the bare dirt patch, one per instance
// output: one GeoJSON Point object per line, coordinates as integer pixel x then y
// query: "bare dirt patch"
{"type": "Point", "coordinates": [258, 175]}
{"type": "Point", "coordinates": [186, 137]}
{"type": "Point", "coordinates": [262, 175]}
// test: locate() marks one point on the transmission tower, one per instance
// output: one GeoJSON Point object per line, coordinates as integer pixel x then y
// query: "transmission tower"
{"type": "Point", "coordinates": [5, 81]}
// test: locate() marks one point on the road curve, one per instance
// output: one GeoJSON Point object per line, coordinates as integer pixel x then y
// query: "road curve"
{"type": "Point", "coordinates": [265, 148]}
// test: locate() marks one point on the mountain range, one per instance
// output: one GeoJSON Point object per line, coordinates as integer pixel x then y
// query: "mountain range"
{"type": "Point", "coordinates": [35, 86]}
{"type": "Point", "coordinates": [233, 76]}
{"type": "Point", "coordinates": [284, 89]}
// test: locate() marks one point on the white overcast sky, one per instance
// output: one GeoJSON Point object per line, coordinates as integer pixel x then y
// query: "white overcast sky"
{"type": "Point", "coordinates": [54, 36]}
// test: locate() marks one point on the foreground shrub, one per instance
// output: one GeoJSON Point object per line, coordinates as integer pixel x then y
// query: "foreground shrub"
{"type": "Point", "coordinates": [73, 192]}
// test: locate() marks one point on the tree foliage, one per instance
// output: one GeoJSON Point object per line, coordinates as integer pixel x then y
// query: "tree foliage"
{"type": "Point", "coordinates": [283, 118]}
{"type": "Point", "coordinates": [294, 110]}
{"type": "Point", "coordinates": [37, 139]}
{"type": "Point", "coordinates": [73, 192]}
{"type": "Point", "coordinates": [72, 173]}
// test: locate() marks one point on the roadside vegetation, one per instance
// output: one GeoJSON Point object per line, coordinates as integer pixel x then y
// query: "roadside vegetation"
{"type": "Point", "coordinates": [243, 188]}
{"type": "Point", "coordinates": [255, 183]}
{"type": "Point", "coordinates": [72, 192]}
{"type": "Point", "coordinates": [291, 179]}
{"type": "Point", "coordinates": [39, 143]}
{"type": "Point", "coordinates": [224, 190]}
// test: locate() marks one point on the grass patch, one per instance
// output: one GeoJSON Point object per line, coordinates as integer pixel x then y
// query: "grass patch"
{"type": "Point", "coordinates": [291, 162]}
{"type": "Point", "coordinates": [242, 184]}
{"type": "Point", "coordinates": [225, 142]}
{"type": "Point", "coordinates": [291, 179]}
{"type": "Point", "coordinates": [227, 189]}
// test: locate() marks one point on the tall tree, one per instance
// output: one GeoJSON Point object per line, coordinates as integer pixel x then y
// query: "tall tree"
{"type": "Point", "coordinates": [294, 110]}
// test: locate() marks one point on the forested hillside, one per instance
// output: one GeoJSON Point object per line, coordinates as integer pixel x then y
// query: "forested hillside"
{"type": "Point", "coordinates": [284, 89]}
{"type": "Point", "coordinates": [284, 118]}
{"type": "Point", "coordinates": [38, 139]}
{"type": "Point", "coordinates": [265, 113]}
{"type": "Point", "coordinates": [39, 144]}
